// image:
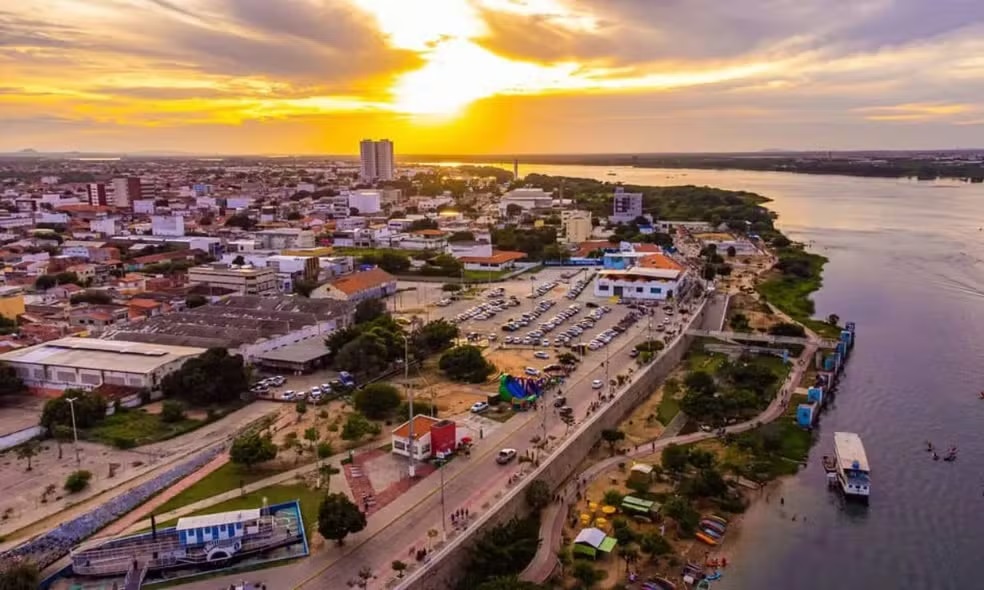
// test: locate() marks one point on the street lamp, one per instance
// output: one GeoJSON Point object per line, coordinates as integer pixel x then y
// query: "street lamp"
{"type": "Point", "coordinates": [75, 432]}
{"type": "Point", "coordinates": [411, 470]}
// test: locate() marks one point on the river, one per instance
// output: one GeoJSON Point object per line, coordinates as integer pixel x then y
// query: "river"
{"type": "Point", "coordinates": [905, 264]}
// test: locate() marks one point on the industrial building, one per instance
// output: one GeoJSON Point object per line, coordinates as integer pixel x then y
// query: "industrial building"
{"type": "Point", "coordinates": [246, 280]}
{"type": "Point", "coordinates": [87, 363]}
{"type": "Point", "coordinates": [248, 325]}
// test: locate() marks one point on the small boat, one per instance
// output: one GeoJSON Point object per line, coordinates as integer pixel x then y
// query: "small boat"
{"type": "Point", "coordinates": [713, 525]}
{"type": "Point", "coordinates": [707, 539]}
{"type": "Point", "coordinates": [829, 464]}
{"type": "Point", "coordinates": [714, 577]}
{"type": "Point", "coordinates": [703, 585]}
{"type": "Point", "coordinates": [658, 583]}
{"type": "Point", "coordinates": [712, 533]}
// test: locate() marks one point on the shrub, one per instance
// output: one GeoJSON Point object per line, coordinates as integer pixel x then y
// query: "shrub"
{"type": "Point", "coordinates": [325, 450]}
{"type": "Point", "coordinates": [123, 442]}
{"type": "Point", "coordinates": [77, 481]}
{"type": "Point", "coordinates": [172, 411]}
{"type": "Point", "coordinates": [377, 400]}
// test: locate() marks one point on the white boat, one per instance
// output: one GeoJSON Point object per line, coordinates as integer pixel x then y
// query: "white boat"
{"type": "Point", "coordinates": [853, 472]}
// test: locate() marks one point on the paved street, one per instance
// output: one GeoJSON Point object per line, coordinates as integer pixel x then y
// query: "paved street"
{"type": "Point", "coordinates": [474, 483]}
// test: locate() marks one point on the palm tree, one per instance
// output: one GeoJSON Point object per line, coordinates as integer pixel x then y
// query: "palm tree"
{"type": "Point", "coordinates": [629, 554]}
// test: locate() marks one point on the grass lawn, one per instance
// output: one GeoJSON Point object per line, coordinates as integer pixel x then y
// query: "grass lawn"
{"type": "Point", "coordinates": [482, 276]}
{"type": "Point", "coordinates": [310, 500]}
{"type": "Point", "coordinates": [792, 294]}
{"type": "Point", "coordinates": [129, 428]}
{"type": "Point", "coordinates": [500, 413]}
{"type": "Point", "coordinates": [669, 406]}
{"type": "Point", "coordinates": [223, 479]}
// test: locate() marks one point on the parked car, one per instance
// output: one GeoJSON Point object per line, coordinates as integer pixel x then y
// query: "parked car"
{"type": "Point", "coordinates": [597, 384]}
{"type": "Point", "coordinates": [479, 407]}
{"type": "Point", "coordinates": [505, 456]}
{"type": "Point", "coordinates": [288, 395]}
{"type": "Point", "coordinates": [541, 355]}
{"type": "Point", "coordinates": [531, 371]}
{"type": "Point", "coordinates": [560, 401]}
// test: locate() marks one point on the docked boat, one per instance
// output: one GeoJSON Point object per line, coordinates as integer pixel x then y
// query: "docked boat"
{"type": "Point", "coordinates": [705, 538]}
{"type": "Point", "coordinates": [853, 472]}
{"type": "Point", "coordinates": [211, 540]}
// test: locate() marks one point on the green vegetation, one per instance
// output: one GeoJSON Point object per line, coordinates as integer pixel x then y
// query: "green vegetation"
{"type": "Point", "coordinates": [77, 481]}
{"type": "Point", "coordinates": [338, 517]}
{"type": "Point", "coordinates": [503, 551]}
{"type": "Point", "coordinates": [669, 406]}
{"type": "Point", "coordinates": [90, 409]}
{"type": "Point", "coordinates": [19, 575]}
{"type": "Point", "coordinates": [536, 242]}
{"type": "Point", "coordinates": [213, 377]}
{"type": "Point", "coordinates": [772, 450]}
{"type": "Point", "coordinates": [227, 477]}
{"type": "Point", "coordinates": [309, 499]}
{"type": "Point", "coordinates": [377, 400]}
{"type": "Point", "coordinates": [252, 448]}
{"type": "Point", "coordinates": [466, 363]}
{"type": "Point", "coordinates": [482, 276]}
{"type": "Point", "coordinates": [799, 275]}
{"type": "Point", "coordinates": [723, 389]}
{"type": "Point", "coordinates": [128, 428]}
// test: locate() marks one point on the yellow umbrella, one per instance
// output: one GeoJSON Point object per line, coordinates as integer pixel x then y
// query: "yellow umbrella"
{"type": "Point", "coordinates": [585, 518]}
{"type": "Point", "coordinates": [592, 506]}
{"type": "Point", "coordinates": [608, 509]}
{"type": "Point", "coordinates": [600, 522]}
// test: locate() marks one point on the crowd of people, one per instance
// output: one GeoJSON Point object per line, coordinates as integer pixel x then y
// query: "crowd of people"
{"type": "Point", "coordinates": [48, 548]}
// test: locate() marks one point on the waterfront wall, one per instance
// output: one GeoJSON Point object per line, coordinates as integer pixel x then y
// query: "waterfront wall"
{"type": "Point", "coordinates": [448, 564]}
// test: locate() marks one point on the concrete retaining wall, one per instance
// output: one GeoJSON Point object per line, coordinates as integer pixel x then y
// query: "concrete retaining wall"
{"type": "Point", "coordinates": [13, 439]}
{"type": "Point", "coordinates": [449, 563]}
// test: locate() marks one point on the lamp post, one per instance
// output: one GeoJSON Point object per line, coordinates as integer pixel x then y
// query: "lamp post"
{"type": "Point", "coordinates": [411, 469]}
{"type": "Point", "coordinates": [75, 432]}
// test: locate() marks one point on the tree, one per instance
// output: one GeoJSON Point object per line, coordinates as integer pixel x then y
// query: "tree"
{"type": "Point", "coordinates": [731, 252]}
{"type": "Point", "coordinates": [833, 319]}
{"type": "Point", "coordinates": [504, 550]}
{"type": "Point", "coordinates": [399, 567]}
{"type": "Point", "coordinates": [242, 221]}
{"type": "Point", "coordinates": [10, 382]}
{"type": "Point", "coordinates": [44, 282]}
{"type": "Point", "coordinates": [194, 300]}
{"type": "Point", "coordinates": [654, 544]}
{"type": "Point", "coordinates": [213, 377]}
{"type": "Point", "coordinates": [356, 426]}
{"type": "Point", "coordinates": [567, 359]}
{"type": "Point", "coordinates": [304, 287]}
{"type": "Point", "coordinates": [90, 409]}
{"type": "Point", "coordinates": [436, 335]}
{"type": "Point", "coordinates": [239, 260]}
{"type": "Point", "coordinates": [451, 287]}
{"type": "Point", "coordinates": [65, 278]}
{"type": "Point", "coordinates": [708, 272]}
{"type": "Point", "coordinates": [172, 411]}
{"type": "Point", "coordinates": [324, 450]}
{"type": "Point", "coordinates": [294, 215]}
{"type": "Point", "coordinates": [781, 241]}
{"type": "Point", "coordinates": [252, 448]}
{"type": "Point", "coordinates": [20, 575]}
{"type": "Point", "coordinates": [680, 510]}
{"type": "Point", "coordinates": [311, 435]}
{"type": "Point", "coordinates": [700, 382]}
{"type": "Point", "coordinates": [421, 224]}
{"type": "Point", "coordinates": [368, 310]}
{"type": "Point", "coordinates": [338, 517]}
{"type": "Point", "coordinates": [674, 458]}
{"type": "Point", "coordinates": [92, 297]}
{"type": "Point", "coordinates": [77, 481]}
{"type": "Point", "coordinates": [461, 236]}
{"type": "Point", "coordinates": [466, 363]}
{"type": "Point", "coordinates": [538, 495]}
{"type": "Point", "coordinates": [739, 322]}
{"type": "Point", "coordinates": [585, 573]}
{"type": "Point", "coordinates": [365, 355]}
{"type": "Point", "coordinates": [788, 329]}
{"type": "Point", "coordinates": [629, 555]}
{"type": "Point", "coordinates": [28, 450]}
{"type": "Point", "coordinates": [377, 400]}
{"type": "Point", "coordinates": [612, 436]}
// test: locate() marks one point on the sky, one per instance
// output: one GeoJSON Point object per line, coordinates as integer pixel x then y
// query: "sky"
{"type": "Point", "coordinates": [490, 76]}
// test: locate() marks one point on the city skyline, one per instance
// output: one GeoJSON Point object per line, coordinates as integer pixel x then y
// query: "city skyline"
{"type": "Point", "coordinates": [490, 76]}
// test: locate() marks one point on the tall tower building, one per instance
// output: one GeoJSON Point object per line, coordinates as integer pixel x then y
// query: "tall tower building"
{"type": "Point", "coordinates": [126, 190]}
{"type": "Point", "coordinates": [96, 191]}
{"type": "Point", "coordinates": [376, 158]}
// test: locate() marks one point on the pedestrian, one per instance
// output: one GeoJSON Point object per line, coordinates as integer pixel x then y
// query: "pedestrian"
{"type": "Point", "coordinates": [782, 501]}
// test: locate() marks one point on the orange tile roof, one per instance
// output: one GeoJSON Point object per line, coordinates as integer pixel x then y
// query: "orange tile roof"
{"type": "Point", "coordinates": [498, 257]}
{"type": "Point", "coordinates": [421, 425]}
{"type": "Point", "coordinates": [145, 303]}
{"type": "Point", "coordinates": [429, 232]}
{"type": "Point", "coordinates": [659, 261]}
{"type": "Point", "coordinates": [585, 248]}
{"type": "Point", "coordinates": [360, 281]}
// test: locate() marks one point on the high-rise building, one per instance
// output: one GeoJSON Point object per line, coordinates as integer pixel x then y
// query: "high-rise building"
{"type": "Point", "coordinates": [626, 206]}
{"type": "Point", "coordinates": [376, 158]}
{"type": "Point", "coordinates": [126, 190]}
{"type": "Point", "coordinates": [96, 192]}
{"type": "Point", "coordinates": [575, 226]}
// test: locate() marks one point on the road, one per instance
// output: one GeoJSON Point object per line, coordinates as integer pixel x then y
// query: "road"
{"type": "Point", "coordinates": [474, 482]}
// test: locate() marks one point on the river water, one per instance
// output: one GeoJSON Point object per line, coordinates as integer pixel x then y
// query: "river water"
{"type": "Point", "coordinates": [907, 264]}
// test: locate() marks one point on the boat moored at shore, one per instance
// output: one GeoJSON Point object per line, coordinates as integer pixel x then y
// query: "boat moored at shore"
{"type": "Point", "coordinates": [853, 472]}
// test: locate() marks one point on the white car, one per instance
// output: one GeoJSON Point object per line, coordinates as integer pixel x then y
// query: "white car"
{"type": "Point", "coordinates": [505, 456]}
{"type": "Point", "coordinates": [541, 355]}
{"type": "Point", "coordinates": [597, 384]}
{"type": "Point", "coordinates": [288, 395]}
{"type": "Point", "coordinates": [479, 407]}
{"type": "Point", "coordinates": [531, 371]}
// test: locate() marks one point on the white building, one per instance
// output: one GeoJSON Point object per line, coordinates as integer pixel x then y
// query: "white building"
{"type": "Point", "coordinates": [103, 224]}
{"type": "Point", "coordinates": [625, 206]}
{"type": "Point", "coordinates": [167, 225]}
{"type": "Point", "coordinates": [145, 206]}
{"type": "Point", "coordinates": [285, 238]}
{"type": "Point", "coordinates": [246, 280]}
{"type": "Point", "coordinates": [366, 202]}
{"type": "Point", "coordinates": [87, 363]}
{"type": "Point", "coordinates": [376, 160]}
{"type": "Point", "coordinates": [473, 248]}
{"type": "Point", "coordinates": [425, 239]}
{"type": "Point", "coordinates": [526, 199]}
{"type": "Point", "coordinates": [654, 277]}
{"type": "Point", "coordinates": [575, 226]}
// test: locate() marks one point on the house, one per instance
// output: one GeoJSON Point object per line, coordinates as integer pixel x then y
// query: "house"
{"type": "Point", "coordinates": [97, 318]}
{"type": "Point", "coordinates": [145, 308]}
{"type": "Point", "coordinates": [500, 260]}
{"type": "Point", "coordinates": [358, 286]}
{"type": "Point", "coordinates": [131, 284]}
{"type": "Point", "coordinates": [431, 436]}
{"type": "Point", "coordinates": [433, 240]}
{"type": "Point", "coordinates": [652, 277]}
